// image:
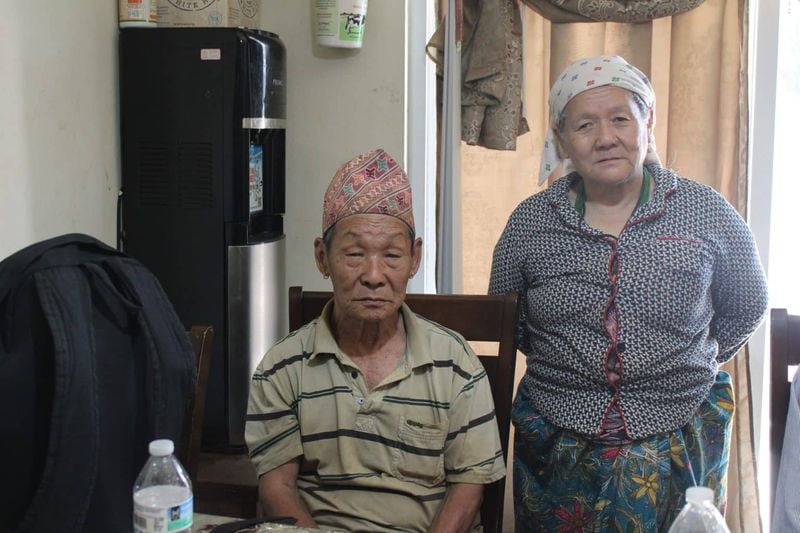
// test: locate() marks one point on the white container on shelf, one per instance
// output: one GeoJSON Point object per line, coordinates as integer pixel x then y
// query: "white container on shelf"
{"type": "Point", "coordinates": [138, 13]}
{"type": "Point", "coordinates": [340, 23]}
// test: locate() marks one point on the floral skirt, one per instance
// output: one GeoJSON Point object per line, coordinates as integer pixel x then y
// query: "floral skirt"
{"type": "Point", "coordinates": [566, 482]}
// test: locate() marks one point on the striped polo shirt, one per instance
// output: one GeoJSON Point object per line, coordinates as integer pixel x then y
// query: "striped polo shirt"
{"type": "Point", "coordinates": [374, 460]}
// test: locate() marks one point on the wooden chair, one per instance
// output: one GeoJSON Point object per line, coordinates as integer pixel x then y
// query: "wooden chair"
{"type": "Point", "coordinates": [226, 485]}
{"type": "Point", "coordinates": [223, 484]}
{"type": "Point", "coordinates": [477, 318]}
{"type": "Point", "coordinates": [202, 338]}
{"type": "Point", "coordinates": [784, 353]}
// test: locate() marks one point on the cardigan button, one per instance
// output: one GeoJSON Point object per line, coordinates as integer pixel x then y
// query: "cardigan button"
{"type": "Point", "coordinates": [620, 346]}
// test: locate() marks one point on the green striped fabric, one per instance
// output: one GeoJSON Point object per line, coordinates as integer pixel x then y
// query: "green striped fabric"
{"type": "Point", "coordinates": [376, 459]}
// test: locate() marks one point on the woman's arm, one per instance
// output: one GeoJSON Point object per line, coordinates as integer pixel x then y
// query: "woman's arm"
{"type": "Point", "coordinates": [739, 287]}
{"type": "Point", "coordinates": [507, 273]}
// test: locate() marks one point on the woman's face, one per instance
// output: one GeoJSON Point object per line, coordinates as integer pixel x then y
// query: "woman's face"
{"type": "Point", "coordinates": [606, 135]}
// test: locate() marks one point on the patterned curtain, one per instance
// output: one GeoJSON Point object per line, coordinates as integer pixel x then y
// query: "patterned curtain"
{"type": "Point", "coordinates": [697, 62]}
{"type": "Point", "coordinates": [610, 10]}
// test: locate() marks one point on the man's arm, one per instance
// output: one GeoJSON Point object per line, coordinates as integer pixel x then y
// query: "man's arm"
{"type": "Point", "coordinates": [461, 503]}
{"type": "Point", "coordinates": [277, 491]}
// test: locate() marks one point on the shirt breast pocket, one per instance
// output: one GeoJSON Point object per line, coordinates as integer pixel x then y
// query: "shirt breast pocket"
{"type": "Point", "coordinates": [681, 277]}
{"type": "Point", "coordinates": [419, 455]}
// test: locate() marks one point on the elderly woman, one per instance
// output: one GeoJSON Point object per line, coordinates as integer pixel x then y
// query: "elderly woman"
{"type": "Point", "coordinates": [637, 284]}
{"type": "Point", "coordinates": [371, 418]}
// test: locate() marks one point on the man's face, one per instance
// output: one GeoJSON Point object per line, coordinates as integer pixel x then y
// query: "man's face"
{"type": "Point", "coordinates": [370, 260]}
{"type": "Point", "coordinates": [605, 135]}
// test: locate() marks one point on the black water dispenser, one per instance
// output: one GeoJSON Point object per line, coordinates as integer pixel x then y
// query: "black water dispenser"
{"type": "Point", "coordinates": [203, 114]}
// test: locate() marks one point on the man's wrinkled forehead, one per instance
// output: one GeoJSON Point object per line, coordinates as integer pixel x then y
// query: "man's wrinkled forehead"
{"type": "Point", "coordinates": [374, 227]}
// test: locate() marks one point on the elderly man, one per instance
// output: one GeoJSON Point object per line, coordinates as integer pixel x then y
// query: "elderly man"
{"type": "Point", "coordinates": [371, 418]}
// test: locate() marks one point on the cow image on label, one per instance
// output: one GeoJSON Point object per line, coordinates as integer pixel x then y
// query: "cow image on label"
{"type": "Point", "coordinates": [353, 21]}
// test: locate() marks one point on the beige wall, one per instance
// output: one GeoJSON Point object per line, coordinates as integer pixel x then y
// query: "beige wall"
{"type": "Point", "coordinates": [59, 140]}
{"type": "Point", "coordinates": [340, 103]}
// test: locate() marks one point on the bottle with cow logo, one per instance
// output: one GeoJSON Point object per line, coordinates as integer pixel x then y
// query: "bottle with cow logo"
{"type": "Point", "coordinates": [341, 23]}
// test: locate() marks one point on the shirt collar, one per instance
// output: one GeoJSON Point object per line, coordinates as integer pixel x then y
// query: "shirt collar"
{"type": "Point", "coordinates": [417, 348]}
{"type": "Point", "coordinates": [664, 184]}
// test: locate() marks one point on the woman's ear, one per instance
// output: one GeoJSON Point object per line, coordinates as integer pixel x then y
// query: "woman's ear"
{"type": "Point", "coordinates": [560, 150]}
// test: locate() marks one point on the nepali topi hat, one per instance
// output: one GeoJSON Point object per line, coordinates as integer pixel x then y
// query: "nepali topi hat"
{"type": "Point", "coordinates": [372, 182]}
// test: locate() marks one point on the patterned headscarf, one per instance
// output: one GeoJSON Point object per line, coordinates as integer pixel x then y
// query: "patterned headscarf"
{"type": "Point", "coordinates": [372, 182]}
{"type": "Point", "coordinates": [583, 75]}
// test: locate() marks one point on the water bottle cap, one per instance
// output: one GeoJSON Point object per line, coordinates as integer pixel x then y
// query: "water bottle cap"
{"type": "Point", "coordinates": [161, 447]}
{"type": "Point", "coordinates": [699, 495]}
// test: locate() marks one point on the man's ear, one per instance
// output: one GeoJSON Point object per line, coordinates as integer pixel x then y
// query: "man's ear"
{"type": "Point", "coordinates": [321, 256]}
{"type": "Point", "coordinates": [416, 255]}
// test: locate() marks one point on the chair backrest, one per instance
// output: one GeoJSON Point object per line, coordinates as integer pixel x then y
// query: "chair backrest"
{"type": "Point", "coordinates": [202, 339]}
{"type": "Point", "coordinates": [477, 318]}
{"type": "Point", "coordinates": [784, 353]}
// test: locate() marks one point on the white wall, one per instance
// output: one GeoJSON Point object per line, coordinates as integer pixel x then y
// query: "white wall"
{"type": "Point", "coordinates": [340, 103]}
{"type": "Point", "coordinates": [59, 140]}
{"type": "Point", "coordinates": [59, 144]}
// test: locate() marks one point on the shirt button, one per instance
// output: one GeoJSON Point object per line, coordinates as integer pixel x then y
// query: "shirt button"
{"type": "Point", "coordinates": [354, 375]}
{"type": "Point", "coordinates": [360, 400]}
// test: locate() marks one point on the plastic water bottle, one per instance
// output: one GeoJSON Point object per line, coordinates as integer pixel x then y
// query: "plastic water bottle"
{"type": "Point", "coordinates": [699, 515]}
{"type": "Point", "coordinates": [162, 494]}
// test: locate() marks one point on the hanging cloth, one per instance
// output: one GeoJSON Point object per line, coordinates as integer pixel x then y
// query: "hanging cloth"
{"type": "Point", "coordinates": [491, 72]}
{"type": "Point", "coordinates": [609, 10]}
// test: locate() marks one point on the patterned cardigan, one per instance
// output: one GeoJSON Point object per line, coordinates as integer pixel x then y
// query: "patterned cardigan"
{"type": "Point", "coordinates": [676, 294]}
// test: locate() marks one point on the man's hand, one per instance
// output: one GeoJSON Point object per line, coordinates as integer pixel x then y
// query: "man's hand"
{"type": "Point", "coordinates": [461, 503]}
{"type": "Point", "coordinates": [277, 491]}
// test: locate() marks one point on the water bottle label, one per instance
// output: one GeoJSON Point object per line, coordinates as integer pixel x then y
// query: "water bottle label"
{"type": "Point", "coordinates": [163, 519]}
